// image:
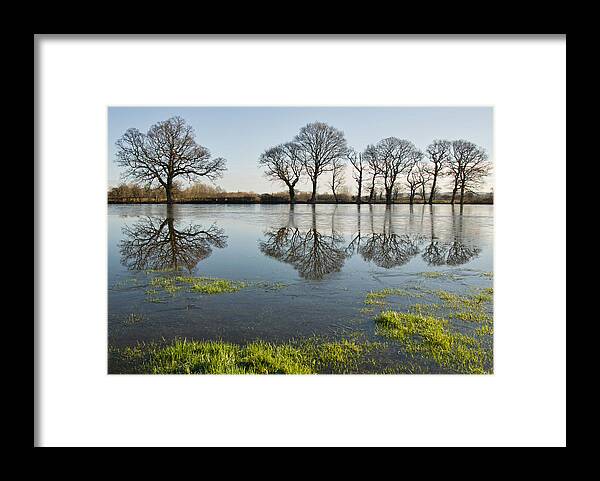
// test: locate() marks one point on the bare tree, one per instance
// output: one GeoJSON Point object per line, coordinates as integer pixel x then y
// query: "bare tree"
{"type": "Point", "coordinates": [449, 252]}
{"type": "Point", "coordinates": [424, 177]}
{"type": "Point", "coordinates": [283, 163]}
{"type": "Point", "coordinates": [475, 170]}
{"type": "Point", "coordinates": [469, 165]}
{"type": "Point", "coordinates": [313, 253]}
{"type": "Point", "coordinates": [373, 169]}
{"type": "Point", "coordinates": [158, 243]}
{"type": "Point", "coordinates": [338, 177]}
{"type": "Point", "coordinates": [395, 156]}
{"type": "Point", "coordinates": [413, 181]}
{"type": "Point", "coordinates": [359, 167]}
{"type": "Point", "coordinates": [166, 152]}
{"type": "Point", "coordinates": [386, 248]}
{"type": "Point", "coordinates": [438, 153]}
{"type": "Point", "coordinates": [320, 146]}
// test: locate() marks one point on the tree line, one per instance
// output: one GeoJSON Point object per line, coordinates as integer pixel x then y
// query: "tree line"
{"type": "Point", "coordinates": [168, 153]}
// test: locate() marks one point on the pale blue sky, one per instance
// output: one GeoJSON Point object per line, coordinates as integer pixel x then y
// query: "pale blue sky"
{"type": "Point", "coordinates": [241, 134]}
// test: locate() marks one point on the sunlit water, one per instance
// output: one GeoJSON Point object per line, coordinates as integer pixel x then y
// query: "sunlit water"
{"type": "Point", "coordinates": [308, 269]}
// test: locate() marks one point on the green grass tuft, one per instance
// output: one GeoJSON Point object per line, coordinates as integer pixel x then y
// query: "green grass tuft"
{"type": "Point", "coordinates": [203, 285]}
{"type": "Point", "coordinates": [216, 357]}
{"type": "Point", "coordinates": [431, 337]}
{"type": "Point", "coordinates": [379, 298]}
{"type": "Point", "coordinates": [472, 308]}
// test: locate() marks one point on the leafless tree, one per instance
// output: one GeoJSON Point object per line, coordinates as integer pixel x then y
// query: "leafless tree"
{"type": "Point", "coordinates": [416, 178]}
{"type": "Point", "coordinates": [338, 177]}
{"type": "Point", "coordinates": [312, 253]}
{"type": "Point", "coordinates": [386, 248]}
{"type": "Point", "coordinates": [395, 156]}
{"type": "Point", "coordinates": [460, 253]}
{"type": "Point", "coordinates": [449, 252]}
{"type": "Point", "coordinates": [473, 174]}
{"type": "Point", "coordinates": [469, 165]}
{"type": "Point", "coordinates": [157, 243]}
{"type": "Point", "coordinates": [354, 245]}
{"type": "Point", "coordinates": [283, 163]}
{"type": "Point", "coordinates": [166, 152]}
{"type": "Point", "coordinates": [413, 182]}
{"type": "Point", "coordinates": [373, 169]}
{"type": "Point", "coordinates": [359, 167]}
{"type": "Point", "coordinates": [438, 153]}
{"type": "Point", "coordinates": [424, 177]}
{"type": "Point", "coordinates": [320, 145]}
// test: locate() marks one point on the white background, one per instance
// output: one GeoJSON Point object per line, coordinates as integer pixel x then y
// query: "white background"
{"type": "Point", "coordinates": [523, 403]}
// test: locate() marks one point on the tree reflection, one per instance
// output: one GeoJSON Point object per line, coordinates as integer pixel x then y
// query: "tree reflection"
{"type": "Point", "coordinates": [386, 248]}
{"type": "Point", "coordinates": [157, 243]}
{"type": "Point", "coordinates": [313, 253]}
{"type": "Point", "coordinates": [355, 239]}
{"type": "Point", "coordinates": [452, 253]}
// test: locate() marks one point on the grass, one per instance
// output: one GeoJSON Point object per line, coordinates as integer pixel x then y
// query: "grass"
{"type": "Point", "coordinates": [471, 308]}
{"type": "Point", "coordinates": [432, 275]}
{"type": "Point", "coordinates": [134, 318]}
{"type": "Point", "coordinates": [450, 276]}
{"type": "Point", "coordinates": [380, 297]}
{"type": "Point", "coordinates": [203, 285]}
{"type": "Point", "coordinates": [183, 356]}
{"type": "Point", "coordinates": [428, 333]}
{"type": "Point", "coordinates": [431, 337]}
{"type": "Point", "coordinates": [485, 330]}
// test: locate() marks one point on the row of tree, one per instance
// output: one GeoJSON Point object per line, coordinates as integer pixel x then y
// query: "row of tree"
{"type": "Point", "coordinates": [168, 153]}
{"type": "Point", "coordinates": [390, 163]}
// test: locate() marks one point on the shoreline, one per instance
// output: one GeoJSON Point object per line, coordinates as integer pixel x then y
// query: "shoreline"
{"type": "Point", "coordinates": [233, 201]}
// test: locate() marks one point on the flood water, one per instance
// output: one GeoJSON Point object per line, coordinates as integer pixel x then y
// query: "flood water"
{"type": "Point", "coordinates": [307, 269]}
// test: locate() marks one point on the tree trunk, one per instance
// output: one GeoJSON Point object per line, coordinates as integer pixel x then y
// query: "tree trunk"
{"type": "Point", "coordinates": [372, 193]}
{"type": "Point", "coordinates": [313, 198]}
{"type": "Point", "coordinates": [388, 196]}
{"type": "Point", "coordinates": [462, 194]}
{"type": "Point", "coordinates": [432, 193]}
{"type": "Point", "coordinates": [358, 199]}
{"type": "Point", "coordinates": [454, 193]}
{"type": "Point", "coordinates": [169, 190]}
{"type": "Point", "coordinates": [292, 194]}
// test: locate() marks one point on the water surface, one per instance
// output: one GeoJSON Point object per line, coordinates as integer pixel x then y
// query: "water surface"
{"type": "Point", "coordinates": [307, 268]}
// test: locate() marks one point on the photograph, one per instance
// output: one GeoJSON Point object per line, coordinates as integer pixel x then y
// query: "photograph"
{"type": "Point", "coordinates": [300, 240]}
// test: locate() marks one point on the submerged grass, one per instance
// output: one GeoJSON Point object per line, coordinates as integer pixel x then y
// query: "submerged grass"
{"type": "Point", "coordinates": [431, 337]}
{"type": "Point", "coordinates": [427, 331]}
{"type": "Point", "coordinates": [432, 275]}
{"type": "Point", "coordinates": [204, 285]}
{"type": "Point", "coordinates": [379, 298]}
{"type": "Point", "coordinates": [451, 276]}
{"type": "Point", "coordinates": [183, 356]}
{"type": "Point", "coordinates": [134, 318]}
{"type": "Point", "coordinates": [472, 308]}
